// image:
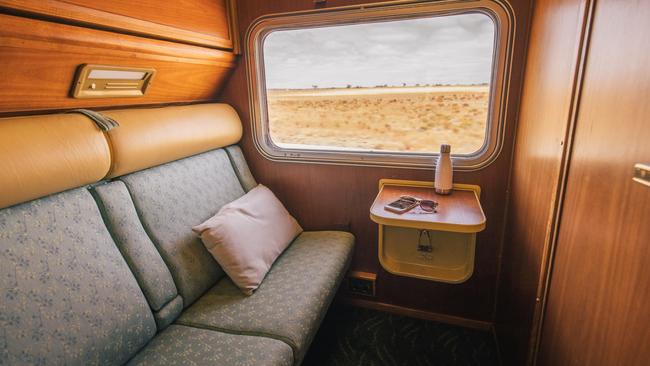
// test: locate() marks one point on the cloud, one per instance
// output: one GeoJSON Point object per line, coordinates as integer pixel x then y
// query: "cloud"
{"type": "Point", "coordinates": [455, 49]}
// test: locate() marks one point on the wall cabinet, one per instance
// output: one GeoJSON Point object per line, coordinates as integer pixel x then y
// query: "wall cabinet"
{"type": "Point", "coordinates": [436, 246]}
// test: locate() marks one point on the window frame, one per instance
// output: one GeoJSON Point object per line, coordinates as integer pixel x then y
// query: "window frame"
{"type": "Point", "coordinates": [500, 13]}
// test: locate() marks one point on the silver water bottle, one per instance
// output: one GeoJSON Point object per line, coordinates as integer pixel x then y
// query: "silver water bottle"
{"type": "Point", "coordinates": [444, 171]}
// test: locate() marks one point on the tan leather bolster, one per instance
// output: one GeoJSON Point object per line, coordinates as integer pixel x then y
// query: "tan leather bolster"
{"type": "Point", "coordinates": [41, 155]}
{"type": "Point", "coordinates": [154, 136]}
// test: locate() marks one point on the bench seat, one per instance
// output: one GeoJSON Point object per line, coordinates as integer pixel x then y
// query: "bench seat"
{"type": "Point", "coordinates": [181, 345]}
{"type": "Point", "coordinates": [67, 296]}
{"type": "Point", "coordinates": [109, 272]}
{"type": "Point", "coordinates": [291, 301]}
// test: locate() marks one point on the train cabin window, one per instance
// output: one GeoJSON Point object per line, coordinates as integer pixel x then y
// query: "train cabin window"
{"type": "Point", "coordinates": [384, 85]}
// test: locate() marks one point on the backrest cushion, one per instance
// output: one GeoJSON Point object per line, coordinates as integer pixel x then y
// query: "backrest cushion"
{"type": "Point", "coordinates": [172, 198]}
{"type": "Point", "coordinates": [66, 294]}
{"type": "Point", "coordinates": [241, 167]}
{"type": "Point", "coordinates": [143, 258]}
{"type": "Point", "coordinates": [41, 155]}
{"type": "Point", "coordinates": [152, 136]}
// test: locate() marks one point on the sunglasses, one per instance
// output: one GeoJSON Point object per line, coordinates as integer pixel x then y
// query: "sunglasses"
{"type": "Point", "coordinates": [425, 205]}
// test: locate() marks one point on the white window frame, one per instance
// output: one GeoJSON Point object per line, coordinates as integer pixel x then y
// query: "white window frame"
{"type": "Point", "coordinates": [500, 13]}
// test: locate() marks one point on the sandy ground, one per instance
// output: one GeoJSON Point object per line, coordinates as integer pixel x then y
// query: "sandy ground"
{"type": "Point", "coordinates": [414, 119]}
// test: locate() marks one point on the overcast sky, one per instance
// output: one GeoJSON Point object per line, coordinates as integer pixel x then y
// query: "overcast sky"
{"type": "Point", "coordinates": [448, 50]}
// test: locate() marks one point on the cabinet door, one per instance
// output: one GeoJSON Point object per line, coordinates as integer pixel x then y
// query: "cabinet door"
{"type": "Point", "coordinates": [597, 311]}
{"type": "Point", "coordinates": [200, 22]}
{"type": "Point", "coordinates": [39, 59]}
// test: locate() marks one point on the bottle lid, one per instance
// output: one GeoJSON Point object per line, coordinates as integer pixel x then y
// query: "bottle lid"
{"type": "Point", "coordinates": [444, 148]}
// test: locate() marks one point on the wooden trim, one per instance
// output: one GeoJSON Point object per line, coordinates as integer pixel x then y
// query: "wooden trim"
{"type": "Point", "coordinates": [61, 11]}
{"type": "Point", "coordinates": [419, 314]}
{"type": "Point", "coordinates": [233, 26]}
{"type": "Point", "coordinates": [50, 36]}
{"type": "Point", "coordinates": [368, 276]}
{"type": "Point", "coordinates": [554, 222]}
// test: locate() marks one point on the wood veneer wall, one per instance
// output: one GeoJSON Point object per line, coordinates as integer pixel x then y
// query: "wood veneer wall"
{"type": "Point", "coordinates": [339, 197]}
{"type": "Point", "coordinates": [550, 84]}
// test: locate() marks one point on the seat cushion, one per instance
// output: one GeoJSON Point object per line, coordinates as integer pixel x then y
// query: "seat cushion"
{"type": "Point", "coordinates": [66, 294]}
{"type": "Point", "coordinates": [181, 345]}
{"type": "Point", "coordinates": [172, 198]}
{"type": "Point", "coordinates": [291, 301]}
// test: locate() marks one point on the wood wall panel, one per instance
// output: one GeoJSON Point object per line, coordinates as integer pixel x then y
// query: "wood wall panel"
{"type": "Point", "coordinates": [597, 310]}
{"type": "Point", "coordinates": [202, 22]}
{"type": "Point", "coordinates": [38, 61]}
{"type": "Point", "coordinates": [549, 80]}
{"type": "Point", "coordinates": [330, 196]}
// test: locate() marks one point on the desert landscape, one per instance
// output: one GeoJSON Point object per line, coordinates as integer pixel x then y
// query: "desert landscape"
{"type": "Point", "coordinates": [404, 119]}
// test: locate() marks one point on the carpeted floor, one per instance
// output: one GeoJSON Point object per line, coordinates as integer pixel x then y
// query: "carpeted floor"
{"type": "Point", "coordinates": [360, 337]}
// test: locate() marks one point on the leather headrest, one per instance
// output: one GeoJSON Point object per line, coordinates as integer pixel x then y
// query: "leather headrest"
{"type": "Point", "coordinates": [41, 155]}
{"type": "Point", "coordinates": [154, 136]}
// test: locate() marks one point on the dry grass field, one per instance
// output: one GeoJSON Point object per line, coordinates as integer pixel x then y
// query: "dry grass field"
{"type": "Point", "coordinates": [414, 119]}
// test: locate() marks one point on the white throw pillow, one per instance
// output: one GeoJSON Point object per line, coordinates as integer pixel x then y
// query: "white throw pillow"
{"type": "Point", "coordinates": [247, 235]}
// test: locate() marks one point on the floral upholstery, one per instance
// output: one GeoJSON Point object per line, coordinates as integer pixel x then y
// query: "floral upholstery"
{"type": "Point", "coordinates": [172, 198]}
{"type": "Point", "coordinates": [88, 281]}
{"type": "Point", "coordinates": [144, 260]}
{"type": "Point", "coordinates": [66, 294]}
{"type": "Point", "coordinates": [241, 168]}
{"type": "Point", "coordinates": [168, 313]}
{"type": "Point", "coordinates": [292, 299]}
{"type": "Point", "coordinates": [180, 345]}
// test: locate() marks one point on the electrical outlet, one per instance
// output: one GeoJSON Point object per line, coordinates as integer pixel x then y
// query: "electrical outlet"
{"type": "Point", "coordinates": [362, 283]}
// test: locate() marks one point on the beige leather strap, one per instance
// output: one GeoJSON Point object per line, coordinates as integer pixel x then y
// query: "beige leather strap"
{"type": "Point", "coordinates": [105, 123]}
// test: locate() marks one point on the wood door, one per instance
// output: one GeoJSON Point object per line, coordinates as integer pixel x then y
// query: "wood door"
{"type": "Point", "coordinates": [598, 310]}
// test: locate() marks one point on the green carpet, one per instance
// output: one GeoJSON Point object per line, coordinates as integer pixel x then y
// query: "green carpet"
{"type": "Point", "coordinates": [360, 337]}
